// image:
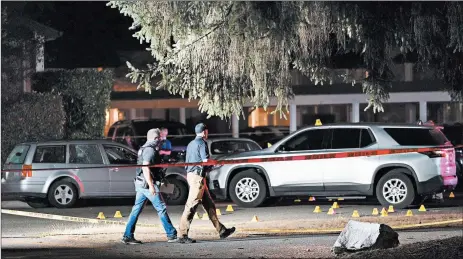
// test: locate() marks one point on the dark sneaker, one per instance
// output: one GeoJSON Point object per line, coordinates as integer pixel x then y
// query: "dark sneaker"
{"type": "Point", "coordinates": [172, 240]}
{"type": "Point", "coordinates": [227, 232]}
{"type": "Point", "coordinates": [186, 240]}
{"type": "Point", "coordinates": [130, 241]}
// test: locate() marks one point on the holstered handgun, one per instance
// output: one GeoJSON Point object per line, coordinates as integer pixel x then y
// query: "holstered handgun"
{"type": "Point", "coordinates": [140, 181]}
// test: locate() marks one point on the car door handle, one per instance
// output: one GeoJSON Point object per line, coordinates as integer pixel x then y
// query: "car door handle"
{"type": "Point", "coordinates": [115, 169]}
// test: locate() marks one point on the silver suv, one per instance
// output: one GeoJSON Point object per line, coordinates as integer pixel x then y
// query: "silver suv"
{"type": "Point", "coordinates": [395, 179]}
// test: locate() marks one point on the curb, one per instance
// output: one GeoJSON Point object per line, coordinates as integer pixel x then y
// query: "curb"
{"type": "Point", "coordinates": [261, 230]}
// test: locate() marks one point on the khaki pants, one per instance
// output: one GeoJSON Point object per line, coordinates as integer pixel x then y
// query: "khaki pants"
{"type": "Point", "coordinates": [198, 194]}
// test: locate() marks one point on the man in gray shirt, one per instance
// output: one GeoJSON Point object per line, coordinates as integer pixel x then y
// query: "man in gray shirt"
{"type": "Point", "coordinates": [196, 152]}
{"type": "Point", "coordinates": [147, 189]}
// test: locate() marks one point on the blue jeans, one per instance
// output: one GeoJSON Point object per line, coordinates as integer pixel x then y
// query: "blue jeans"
{"type": "Point", "coordinates": [158, 204]}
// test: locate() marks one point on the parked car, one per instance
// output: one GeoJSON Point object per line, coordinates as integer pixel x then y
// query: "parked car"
{"type": "Point", "coordinates": [61, 187]}
{"type": "Point", "coordinates": [395, 179]}
{"type": "Point", "coordinates": [133, 132]}
{"type": "Point", "coordinates": [262, 134]}
{"type": "Point", "coordinates": [455, 134]}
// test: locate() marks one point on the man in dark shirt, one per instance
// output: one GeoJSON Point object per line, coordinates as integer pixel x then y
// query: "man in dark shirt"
{"type": "Point", "coordinates": [196, 152]}
{"type": "Point", "coordinates": [147, 189]}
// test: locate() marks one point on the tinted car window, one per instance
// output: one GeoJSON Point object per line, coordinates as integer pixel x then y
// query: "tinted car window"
{"type": "Point", "coordinates": [307, 140]}
{"type": "Point", "coordinates": [350, 138]}
{"type": "Point", "coordinates": [84, 154]}
{"type": "Point", "coordinates": [18, 155]}
{"type": "Point", "coordinates": [50, 154]}
{"type": "Point", "coordinates": [345, 138]}
{"type": "Point", "coordinates": [121, 131]}
{"type": "Point", "coordinates": [366, 138]}
{"type": "Point", "coordinates": [417, 136]}
{"type": "Point", "coordinates": [228, 147]}
{"type": "Point", "coordinates": [118, 155]}
{"type": "Point", "coordinates": [111, 132]}
{"type": "Point", "coordinates": [125, 135]}
{"type": "Point", "coordinates": [143, 127]}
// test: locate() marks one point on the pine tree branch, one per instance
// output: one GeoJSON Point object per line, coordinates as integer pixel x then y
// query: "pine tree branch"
{"type": "Point", "coordinates": [210, 32]}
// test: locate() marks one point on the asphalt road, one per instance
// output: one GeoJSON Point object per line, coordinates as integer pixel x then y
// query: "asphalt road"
{"type": "Point", "coordinates": [27, 237]}
{"type": "Point", "coordinates": [314, 246]}
{"type": "Point", "coordinates": [287, 209]}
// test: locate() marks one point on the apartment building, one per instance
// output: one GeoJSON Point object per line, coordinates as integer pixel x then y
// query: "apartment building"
{"type": "Point", "coordinates": [414, 95]}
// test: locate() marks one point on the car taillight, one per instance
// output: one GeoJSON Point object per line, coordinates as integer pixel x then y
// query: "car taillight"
{"type": "Point", "coordinates": [434, 154]}
{"type": "Point", "coordinates": [27, 171]}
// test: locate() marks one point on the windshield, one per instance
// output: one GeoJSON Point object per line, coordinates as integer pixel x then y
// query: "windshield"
{"type": "Point", "coordinates": [180, 141]}
{"type": "Point", "coordinates": [454, 134]}
{"type": "Point", "coordinates": [174, 129]}
{"type": "Point", "coordinates": [18, 155]}
{"type": "Point", "coordinates": [230, 147]}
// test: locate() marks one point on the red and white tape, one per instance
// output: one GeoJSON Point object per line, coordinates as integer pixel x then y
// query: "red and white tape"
{"type": "Point", "coordinates": [328, 155]}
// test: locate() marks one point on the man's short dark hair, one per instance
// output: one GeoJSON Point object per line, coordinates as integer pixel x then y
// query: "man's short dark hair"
{"type": "Point", "coordinates": [200, 127]}
{"type": "Point", "coordinates": [163, 128]}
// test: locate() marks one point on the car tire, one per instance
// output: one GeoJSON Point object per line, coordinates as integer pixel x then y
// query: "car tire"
{"type": "Point", "coordinates": [248, 178]}
{"type": "Point", "coordinates": [62, 194]}
{"type": "Point", "coordinates": [38, 203]}
{"type": "Point", "coordinates": [398, 184]}
{"type": "Point", "coordinates": [180, 194]}
{"type": "Point", "coordinates": [459, 173]}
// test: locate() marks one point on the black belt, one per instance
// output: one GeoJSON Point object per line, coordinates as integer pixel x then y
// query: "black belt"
{"type": "Point", "coordinates": [198, 172]}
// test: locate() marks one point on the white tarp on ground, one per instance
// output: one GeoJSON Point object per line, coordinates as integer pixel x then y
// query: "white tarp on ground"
{"type": "Point", "coordinates": [363, 235]}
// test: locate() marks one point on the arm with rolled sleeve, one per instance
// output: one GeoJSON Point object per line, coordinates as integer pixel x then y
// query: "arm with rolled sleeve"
{"type": "Point", "coordinates": [203, 151]}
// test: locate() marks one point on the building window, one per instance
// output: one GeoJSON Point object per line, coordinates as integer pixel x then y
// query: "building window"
{"type": "Point", "coordinates": [308, 114]}
{"type": "Point", "coordinates": [173, 114]}
{"type": "Point", "coordinates": [393, 113]}
{"type": "Point", "coordinates": [261, 117]}
{"type": "Point", "coordinates": [445, 112]}
{"type": "Point", "coordinates": [147, 113]}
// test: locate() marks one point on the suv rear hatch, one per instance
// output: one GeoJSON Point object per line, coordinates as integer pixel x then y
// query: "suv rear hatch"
{"type": "Point", "coordinates": [430, 137]}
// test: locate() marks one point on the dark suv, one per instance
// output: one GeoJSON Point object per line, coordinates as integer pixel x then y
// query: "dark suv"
{"type": "Point", "coordinates": [133, 132]}
{"type": "Point", "coordinates": [455, 134]}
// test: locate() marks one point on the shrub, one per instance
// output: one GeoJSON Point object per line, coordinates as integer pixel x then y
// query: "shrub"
{"type": "Point", "coordinates": [86, 96]}
{"type": "Point", "coordinates": [34, 117]}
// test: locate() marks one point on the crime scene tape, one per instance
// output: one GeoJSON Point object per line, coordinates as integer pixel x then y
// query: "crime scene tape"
{"type": "Point", "coordinates": [296, 157]}
{"type": "Point", "coordinates": [70, 218]}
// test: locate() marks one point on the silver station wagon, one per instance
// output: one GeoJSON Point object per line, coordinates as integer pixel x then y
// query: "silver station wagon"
{"type": "Point", "coordinates": [69, 180]}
